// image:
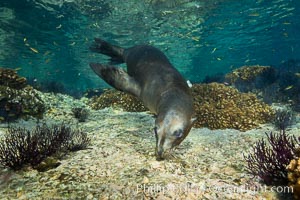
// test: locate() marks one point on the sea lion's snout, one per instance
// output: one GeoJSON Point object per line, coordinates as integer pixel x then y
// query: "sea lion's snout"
{"type": "Point", "coordinates": [163, 150]}
{"type": "Point", "coordinates": [165, 141]}
{"type": "Point", "coordinates": [169, 133]}
{"type": "Point", "coordinates": [159, 154]}
{"type": "Point", "coordinates": [158, 149]}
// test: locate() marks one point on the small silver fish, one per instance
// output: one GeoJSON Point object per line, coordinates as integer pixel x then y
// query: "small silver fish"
{"type": "Point", "coordinates": [289, 87]}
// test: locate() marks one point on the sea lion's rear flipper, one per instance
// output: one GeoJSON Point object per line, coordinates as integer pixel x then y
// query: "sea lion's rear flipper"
{"type": "Point", "coordinates": [114, 52]}
{"type": "Point", "coordinates": [117, 77]}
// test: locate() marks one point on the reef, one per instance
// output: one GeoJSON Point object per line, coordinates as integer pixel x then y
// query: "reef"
{"type": "Point", "coordinates": [269, 160]}
{"type": "Point", "coordinates": [89, 93]}
{"type": "Point", "coordinates": [16, 99]}
{"type": "Point", "coordinates": [249, 78]}
{"type": "Point", "coordinates": [10, 78]}
{"type": "Point", "coordinates": [271, 84]}
{"type": "Point", "coordinates": [117, 99]}
{"type": "Point", "coordinates": [219, 107]}
{"type": "Point", "coordinates": [21, 146]}
{"type": "Point", "coordinates": [289, 83]}
{"type": "Point", "coordinates": [294, 177]}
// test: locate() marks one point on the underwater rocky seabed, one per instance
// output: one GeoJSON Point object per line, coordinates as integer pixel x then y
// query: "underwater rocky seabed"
{"type": "Point", "coordinates": [120, 162]}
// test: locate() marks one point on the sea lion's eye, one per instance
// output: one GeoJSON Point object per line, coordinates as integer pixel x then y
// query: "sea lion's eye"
{"type": "Point", "coordinates": [178, 133]}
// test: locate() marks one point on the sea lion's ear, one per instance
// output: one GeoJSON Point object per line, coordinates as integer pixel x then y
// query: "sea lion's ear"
{"type": "Point", "coordinates": [193, 120]}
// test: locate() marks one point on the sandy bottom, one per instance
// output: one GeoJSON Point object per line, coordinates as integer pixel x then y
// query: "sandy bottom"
{"type": "Point", "coordinates": [120, 164]}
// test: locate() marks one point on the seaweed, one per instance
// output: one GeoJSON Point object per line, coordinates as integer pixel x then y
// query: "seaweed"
{"type": "Point", "coordinates": [79, 141]}
{"type": "Point", "coordinates": [269, 161]}
{"type": "Point", "coordinates": [21, 146]}
{"type": "Point", "coordinates": [284, 118]}
{"type": "Point", "coordinates": [80, 113]}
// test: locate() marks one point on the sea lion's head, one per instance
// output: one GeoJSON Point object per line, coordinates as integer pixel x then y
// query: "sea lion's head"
{"type": "Point", "coordinates": [170, 130]}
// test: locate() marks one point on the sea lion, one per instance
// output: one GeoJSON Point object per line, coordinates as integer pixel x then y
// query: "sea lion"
{"type": "Point", "coordinates": [151, 77]}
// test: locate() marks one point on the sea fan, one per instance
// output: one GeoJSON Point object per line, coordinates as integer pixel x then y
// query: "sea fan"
{"type": "Point", "coordinates": [21, 146]}
{"type": "Point", "coordinates": [269, 161]}
{"type": "Point", "coordinates": [284, 118]}
{"type": "Point", "coordinates": [80, 113]}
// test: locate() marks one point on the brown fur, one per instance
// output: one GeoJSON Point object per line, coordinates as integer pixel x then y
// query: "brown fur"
{"type": "Point", "coordinates": [152, 78]}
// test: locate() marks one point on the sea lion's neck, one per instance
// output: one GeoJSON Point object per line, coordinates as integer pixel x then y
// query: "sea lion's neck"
{"type": "Point", "coordinates": [176, 100]}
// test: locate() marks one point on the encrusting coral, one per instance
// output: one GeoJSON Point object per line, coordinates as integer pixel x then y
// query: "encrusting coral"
{"type": "Point", "coordinates": [20, 103]}
{"type": "Point", "coordinates": [219, 107]}
{"type": "Point", "coordinates": [117, 99]}
{"type": "Point", "coordinates": [294, 176]}
{"type": "Point", "coordinates": [10, 78]}
{"type": "Point", "coordinates": [17, 99]}
{"type": "Point", "coordinates": [248, 73]}
{"type": "Point", "coordinates": [247, 78]}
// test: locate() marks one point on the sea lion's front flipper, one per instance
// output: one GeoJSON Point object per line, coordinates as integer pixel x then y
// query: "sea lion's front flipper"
{"type": "Point", "coordinates": [117, 77]}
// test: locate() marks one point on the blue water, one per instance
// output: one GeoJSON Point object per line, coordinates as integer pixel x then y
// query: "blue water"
{"type": "Point", "coordinates": [49, 40]}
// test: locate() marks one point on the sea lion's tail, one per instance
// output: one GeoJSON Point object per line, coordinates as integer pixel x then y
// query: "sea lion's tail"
{"type": "Point", "coordinates": [114, 52]}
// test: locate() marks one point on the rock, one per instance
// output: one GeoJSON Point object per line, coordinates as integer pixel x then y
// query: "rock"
{"type": "Point", "coordinates": [48, 163]}
{"type": "Point", "coordinates": [145, 180]}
